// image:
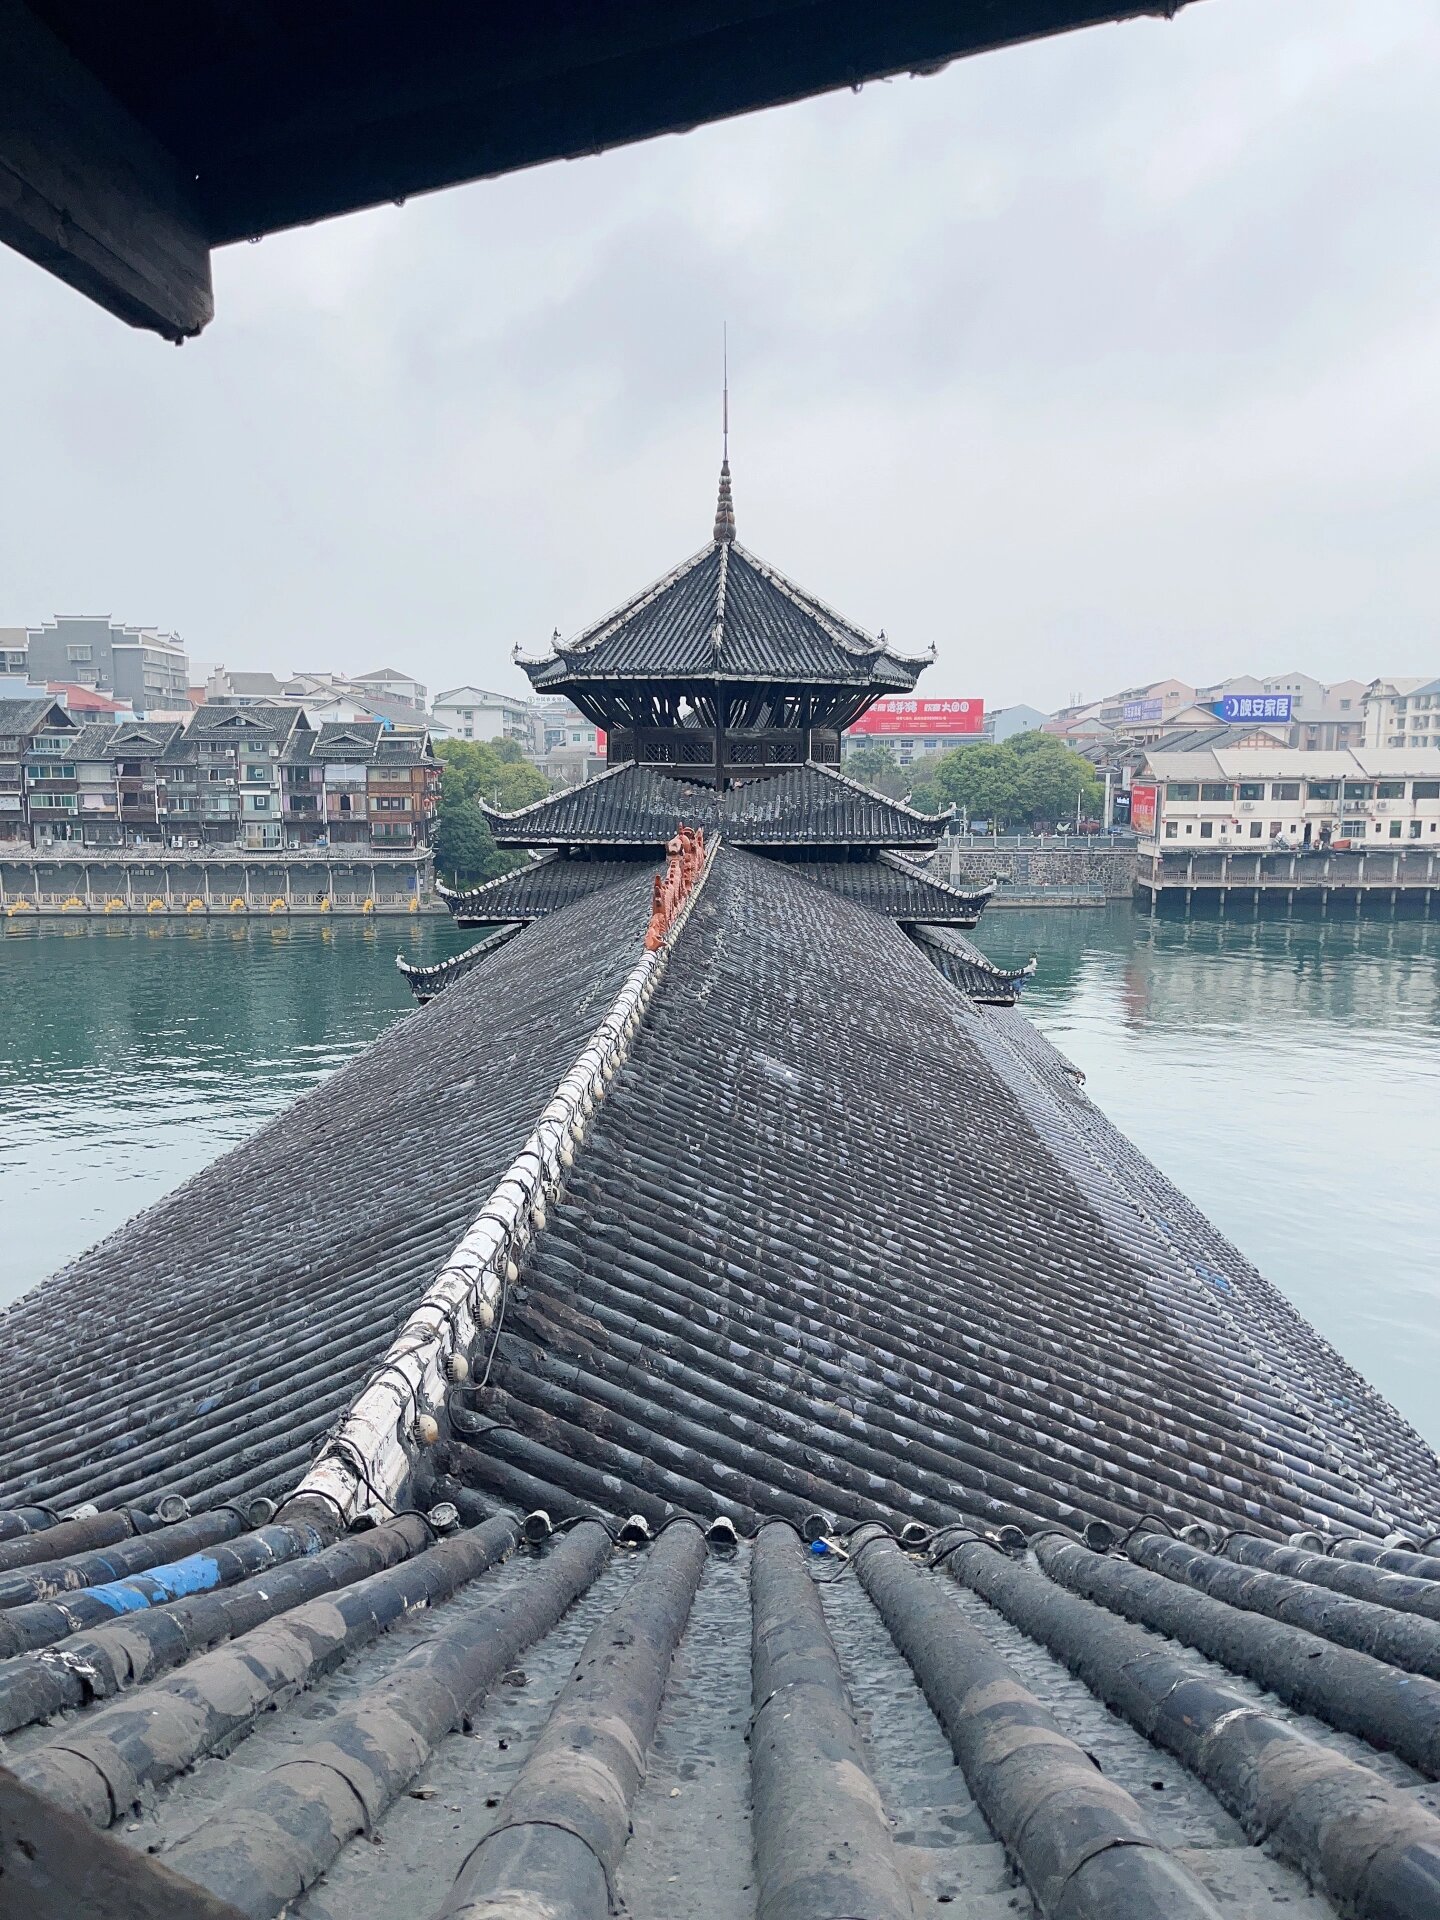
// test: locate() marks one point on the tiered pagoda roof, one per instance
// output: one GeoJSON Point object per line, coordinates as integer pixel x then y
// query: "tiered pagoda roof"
{"type": "Point", "coordinates": [799, 807]}
{"type": "Point", "coordinates": [727, 1207]}
{"type": "Point", "coordinates": [723, 614]}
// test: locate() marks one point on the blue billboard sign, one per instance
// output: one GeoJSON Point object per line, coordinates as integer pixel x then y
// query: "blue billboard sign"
{"type": "Point", "coordinates": [1254, 706]}
{"type": "Point", "coordinates": [1144, 709]}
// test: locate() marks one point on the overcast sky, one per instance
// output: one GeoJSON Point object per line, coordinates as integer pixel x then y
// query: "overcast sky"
{"type": "Point", "coordinates": [1095, 360]}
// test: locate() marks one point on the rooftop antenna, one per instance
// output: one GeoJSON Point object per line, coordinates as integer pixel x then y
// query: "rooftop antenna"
{"type": "Point", "coordinates": [724, 506]}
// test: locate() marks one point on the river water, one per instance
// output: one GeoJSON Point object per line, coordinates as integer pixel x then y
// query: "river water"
{"type": "Point", "coordinates": [1285, 1075]}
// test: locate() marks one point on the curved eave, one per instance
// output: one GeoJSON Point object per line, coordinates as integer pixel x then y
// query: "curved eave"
{"type": "Point", "coordinates": [468, 902]}
{"type": "Point", "coordinates": [971, 971]}
{"type": "Point", "coordinates": [885, 674]}
{"type": "Point", "coordinates": [426, 982]}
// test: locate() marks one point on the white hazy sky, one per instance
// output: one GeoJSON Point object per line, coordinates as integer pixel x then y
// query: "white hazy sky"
{"type": "Point", "coordinates": [1109, 357]}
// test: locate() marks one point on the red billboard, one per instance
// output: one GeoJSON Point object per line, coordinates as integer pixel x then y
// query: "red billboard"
{"type": "Point", "coordinates": [922, 719]}
{"type": "Point", "coordinates": [1142, 809]}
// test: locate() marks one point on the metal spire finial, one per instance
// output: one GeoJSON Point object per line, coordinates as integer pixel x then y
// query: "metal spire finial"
{"type": "Point", "coordinates": [724, 506]}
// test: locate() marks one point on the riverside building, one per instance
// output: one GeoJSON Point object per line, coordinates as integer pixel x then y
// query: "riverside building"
{"type": "Point", "coordinates": [262, 778]}
{"type": "Point", "coordinates": [719, 1222]}
{"type": "Point", "coordinates": [1256, 794]}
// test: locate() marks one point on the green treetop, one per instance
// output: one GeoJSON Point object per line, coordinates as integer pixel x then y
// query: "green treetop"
{"type": "Point", "coordinates": [1032, 780]}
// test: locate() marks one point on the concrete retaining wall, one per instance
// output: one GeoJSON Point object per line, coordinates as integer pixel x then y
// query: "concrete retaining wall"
{"type": "Point", "coordinates": [1060, 876]}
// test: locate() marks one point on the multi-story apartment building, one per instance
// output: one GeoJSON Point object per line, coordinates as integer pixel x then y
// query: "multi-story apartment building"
{"type": "Point", "coordinates": [473, 713]}
{"type": "Point", "coordinates": [1240, 797]}
{"type": "Point", "coordinates": [1402, 713]}
{"type": "Point", "coordinates": [147, 671]}
{"type": "Point", "coordinates": [386, 684]}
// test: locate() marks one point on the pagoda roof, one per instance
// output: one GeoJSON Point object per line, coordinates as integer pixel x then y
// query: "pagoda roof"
{"type": "Point", "coordinates": [723, 614]}
{"type": "Point", "coordinates": [547, 884]}
{"type": "Point", "coordinates": [885, 882]}
{"type": "Point", "coordinates": [891, 885]}
{"type": "Point", "coordinates": [641, 806]}
{"type": "Point", "coordinates": [973, 972]}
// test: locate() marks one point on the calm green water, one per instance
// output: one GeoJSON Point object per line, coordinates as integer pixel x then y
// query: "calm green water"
{"type": "Point", "coordinates": [1286, 1076]}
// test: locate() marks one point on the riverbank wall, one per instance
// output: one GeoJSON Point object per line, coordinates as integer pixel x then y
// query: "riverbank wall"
{"type": "Point", "coordinates": [152, 881]}
{"type": "Point", "coordinates": [1040, 873]}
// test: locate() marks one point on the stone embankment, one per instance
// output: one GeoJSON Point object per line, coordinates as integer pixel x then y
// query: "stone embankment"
{"type": "Point", "coordinates": [145, 881]}
{"type": "Point", "coordinates": [1040, 872]}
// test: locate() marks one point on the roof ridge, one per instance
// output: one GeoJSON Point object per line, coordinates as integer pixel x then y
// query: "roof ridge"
{"type": "Point", "coordinates": [440, 972]}
{"type": "Point", "coordinates": [894, 859]}
{"type": "Point", "coordinates": [366, 1461]}
{"type": "Point", "coordinates": [549, 799]}
{"type": "Point", "coordinates": [601, 629]}
{"type": "Point", "coordinates": [854, 640]}
{"type": "Point", "coordinates": [826, 615]}
{"type": "Point", "coordinates": [870, 793]}
{"type": "Point", "coordinates": [722, 577]}
{"type": "Point", "coordinates": [966, 950]}
{"type": "Point", "coordinates": [544, 859]}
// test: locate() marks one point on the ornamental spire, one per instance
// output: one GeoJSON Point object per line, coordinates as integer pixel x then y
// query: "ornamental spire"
{"type": "Point", "coordinates": [724, 506]}
{"type": "Point", "coordinates": [724, 509]}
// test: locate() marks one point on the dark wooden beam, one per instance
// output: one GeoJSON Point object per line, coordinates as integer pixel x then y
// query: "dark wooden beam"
{"type": "Point", "coordinates": [55, 1866]}
{"type": "Point", "coordinates": [88, 193]}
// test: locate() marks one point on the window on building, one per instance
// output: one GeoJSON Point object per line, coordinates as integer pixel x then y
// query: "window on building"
{"type": "Point", "coordinates": [1172, 831]}
{"type": "Point", "coordinates": [1285, 790]}
{"type": "Point", "coordinates": [1213, 790]}
{"type": "Point", "coordinates": [1426, 790]}
{"type": "Point", "coordinates": [260, 802]}
{"type": "Point", "coordinates": [1207, 829]}
{"type": "Point", "coordinates": [1181, 790]}
{"type": "Point", "coordinates": [1321, 789]}
{"type": "Point", "coordinates": [1353, 829]}
{"type": "Point", "coordinates": [1251, 790]}
{"type": "Point", "coordinates": [79, 653]}
{"type": "Point", "coordinates": [1390, 790]}
{"type": "Point", "coordinates": [1255, 829]}
{"type": "Point", "coordinates": [1344, 706]}
{"type": "Point", "coordinates": [1414, 829]}
{"type": "Point", "coordinates": [1395, 826]}
{"type": "Point", "coordinates": [1275, 829]}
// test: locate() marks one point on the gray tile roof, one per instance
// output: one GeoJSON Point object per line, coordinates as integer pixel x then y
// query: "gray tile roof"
{"type": "Point", "coordinates": [890, 884]}
{"type": "Point", "coordinates": [215, 721]}
{"type": "Point", "coordinates": [966, 967]}
{"type": "Point", "coordinates": [725, 614]}
{"type": "Point", "coordinates": [761, 1185]}
{"type": "Point", "coordinates": [547, 884]}
{"type": "Point", "coordinates": [224, 1328]}
{"type": "Point", "coordinates": [404, 1725]}
{"type": "Point", "coordinates": [640, 806]}
{"type": "Point", "coordinates": [839, 1246]}
{"type": "Point", "coordinates": [20, 716]}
